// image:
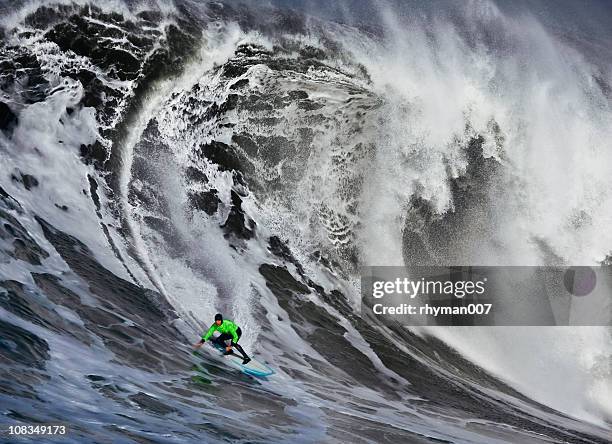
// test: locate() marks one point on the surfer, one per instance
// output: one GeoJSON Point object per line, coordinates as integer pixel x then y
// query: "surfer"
{"type": "Point", "coordinates": [230, 334]}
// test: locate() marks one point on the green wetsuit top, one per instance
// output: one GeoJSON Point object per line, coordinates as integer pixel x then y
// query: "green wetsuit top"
{"type": "Point", "coordinates": [226, 326]}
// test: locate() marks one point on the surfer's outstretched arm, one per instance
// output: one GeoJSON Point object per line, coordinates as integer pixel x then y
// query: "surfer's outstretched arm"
{"type": "Point", "coordinates": [206, 336]}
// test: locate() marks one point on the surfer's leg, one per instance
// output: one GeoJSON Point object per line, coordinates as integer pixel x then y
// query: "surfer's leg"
{"type": "Point", "coordinates": [239, 347]}
{"type": "Point", "coordinates": [222, 338]}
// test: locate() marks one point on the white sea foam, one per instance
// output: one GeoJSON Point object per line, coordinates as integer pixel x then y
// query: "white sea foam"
{"type": "Point", "coordinates": [556, 128]}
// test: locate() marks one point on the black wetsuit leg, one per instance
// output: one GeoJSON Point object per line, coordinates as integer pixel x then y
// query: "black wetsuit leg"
{"type": "Point", "coordinates": [238, 346]}
{"type": "Point", "coordinates": [220, 340]}
{"type": "Point", "coordinates": [228, 337]}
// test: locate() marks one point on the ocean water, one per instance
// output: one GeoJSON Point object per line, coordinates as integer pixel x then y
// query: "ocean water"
{"type": "Point", "coordinates": [162, 162]}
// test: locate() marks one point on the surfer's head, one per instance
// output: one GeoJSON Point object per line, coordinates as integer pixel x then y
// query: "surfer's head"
{"type": "Point", "coordinates": [218, 319]}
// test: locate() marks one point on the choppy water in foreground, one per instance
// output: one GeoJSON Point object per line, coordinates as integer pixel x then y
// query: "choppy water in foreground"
{"type": "Point", "coordinates": [161, 163]}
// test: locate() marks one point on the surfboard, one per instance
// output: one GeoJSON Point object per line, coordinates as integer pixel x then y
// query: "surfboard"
{"type": "Point", "coordinates": [253, 367]}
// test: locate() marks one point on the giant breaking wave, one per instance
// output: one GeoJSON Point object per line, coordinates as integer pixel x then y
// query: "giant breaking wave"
{"type": "Point", "coordinates": [163, 162]}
